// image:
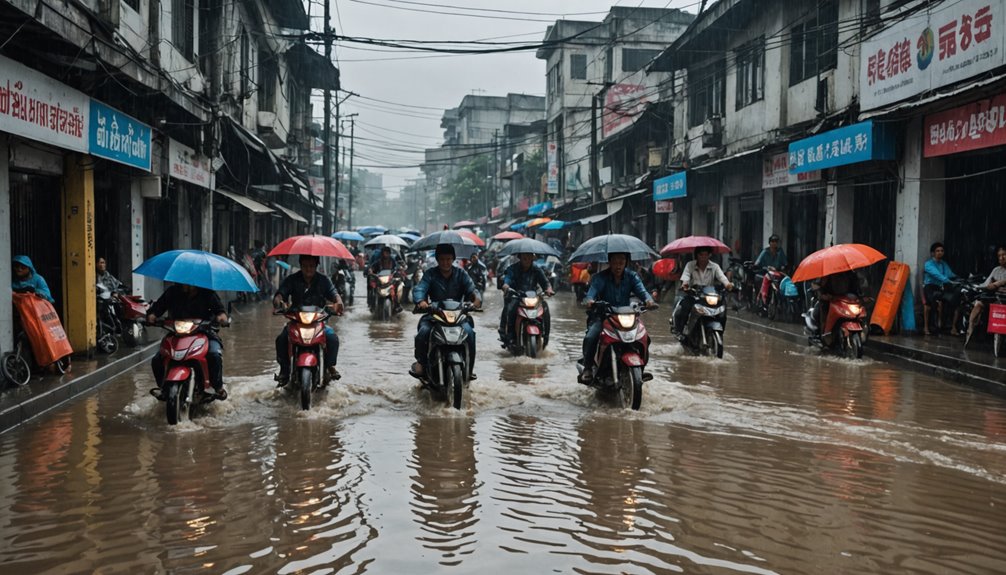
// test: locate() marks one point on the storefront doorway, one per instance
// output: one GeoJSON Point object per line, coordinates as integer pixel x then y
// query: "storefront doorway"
{"type": "Point", "coordinates": [35, 226]}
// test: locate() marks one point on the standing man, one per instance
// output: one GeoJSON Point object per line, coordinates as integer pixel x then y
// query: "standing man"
{"type": "Point", "coordinates": [307, 288]}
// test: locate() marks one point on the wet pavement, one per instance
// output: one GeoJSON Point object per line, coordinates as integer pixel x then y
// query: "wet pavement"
{"type": "Point", "coordinates": [772, 460]}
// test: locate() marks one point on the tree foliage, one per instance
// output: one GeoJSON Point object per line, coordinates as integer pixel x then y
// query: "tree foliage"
{"type": "Point", "coordinates": [468, 190]}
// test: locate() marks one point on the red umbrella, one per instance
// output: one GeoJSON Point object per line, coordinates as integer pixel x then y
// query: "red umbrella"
{"type": "Point", "coordinates": [504, 236]}
{"type": "Point", "coordinates": [471, 235]}
{"type": "Point", "coordinates": [664, 270]}
{"type": "Point", "coordinates": [312, 245]}
{"type": "Point", "coordinates": [464, 224]}
{"type": "Point", "coordinates": [836, 259]}
{"type": "Point", "coordinates": [687, 245]}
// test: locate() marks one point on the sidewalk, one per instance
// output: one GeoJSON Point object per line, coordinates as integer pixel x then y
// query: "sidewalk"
{"type": "Point", "coordinates": [47, 391]}
{"type": "Point", "coordinates": [943, 355]}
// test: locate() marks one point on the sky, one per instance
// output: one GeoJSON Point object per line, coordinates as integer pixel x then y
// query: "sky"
{"type": "Point", "coordinates": [420, 87]}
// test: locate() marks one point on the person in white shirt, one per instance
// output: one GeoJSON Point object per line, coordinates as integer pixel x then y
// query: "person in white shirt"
{"type": "Point", "coordinates": [698, 273]}
{"type": "Point", "coordinates": [996, 282]}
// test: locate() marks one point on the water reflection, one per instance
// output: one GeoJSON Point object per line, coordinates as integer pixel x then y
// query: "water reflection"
{"type": "Point", "coordinates": [444, 486]}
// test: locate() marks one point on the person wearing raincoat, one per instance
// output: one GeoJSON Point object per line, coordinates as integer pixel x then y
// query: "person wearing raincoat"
{"type": "Point", "coordinates": [27, 279]}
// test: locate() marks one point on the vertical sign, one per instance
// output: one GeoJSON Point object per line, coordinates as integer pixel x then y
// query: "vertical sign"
{"type": "Point", "coordinates": [553, 168]}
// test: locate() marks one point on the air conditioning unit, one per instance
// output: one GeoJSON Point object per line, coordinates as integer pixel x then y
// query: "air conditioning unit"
{"type": "Point", "coordinates": [712, 132]}
{"type": "Point", "coordinates": [655, 158]}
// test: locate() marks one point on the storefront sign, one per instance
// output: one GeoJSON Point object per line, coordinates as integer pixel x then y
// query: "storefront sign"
{"type": "Point", "coordinates": [37, 107]}
{"type": "Point", "coordinates": [949, 42]}
{"type": "Point", "coordinates": [496, 211]}
{"type": "Point", "coordinates": [775, 172]}
{"type": "Point", "coordinates": [522, 203]}
{"type": "Point", "coordinates": [997, 318]}
{"type": "Point", "coordinates": [623, 103]}
{"type": "Point", "coordinates": [671, 187]}
{"type": "Point", "coordinates": [553, 168]}
{"type": "Point", "coordinates": [118, 137]}
{"type": "Point", "coordinates": [664, 207]}
{"type": "Point", "coordinates": [981, 124]}
{"type": "Point", "coordinates": [186, 165]}
{"type": "Point", "coordinates": [847, 145]}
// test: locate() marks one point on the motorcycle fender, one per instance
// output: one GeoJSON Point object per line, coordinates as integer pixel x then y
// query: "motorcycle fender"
{"type": "Point", "coordinates": [632, 359]}
{"type": "Point", "coordinates": [715, 326]}
{"type": "Point", "coordinates": [178, 373]}
{"type": "Point", "coordinates": [454, 358]}
{"type": "Point", "coordinates": [851, 326]}
{"type": "Point", "coordinates": [306, 359]}
{"type": "Point", "coordinates": [531, 329]}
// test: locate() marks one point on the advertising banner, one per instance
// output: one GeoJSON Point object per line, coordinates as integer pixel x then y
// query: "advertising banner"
{"type": "Point", "coordinates": [118, 137]}
{"type": "Point", "coordinates": [775, 172]}
{"type": "Point", "coordinates": [949, 42]}
{"type": "Point", "coordinates": [671, 187]}
{"type": "Point", "coordinates": [552, 150]}
{"type": "Point", "coordinates": [981, 124]}
{"type": "Point", "coordinates": [847, 145]}
{"type": "Point", "coordinates": [186, 165]}
{"type": "Point", "coordinates": [623, 103]}
{"type": "Point", "coordinates": [39, 108]}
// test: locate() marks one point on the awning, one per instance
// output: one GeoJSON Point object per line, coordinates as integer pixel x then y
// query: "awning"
{"type": "Point", "coordinates": [290, 213]}
{"type": "Point", "coordinates": [246, 202]}
{"type": "Point", "coordinates": [933, 98]}
{"type": "Point", "coordinates": [509, 223]}
{"type": "Point", "coordinates": [313, 68]}
{"type": "Point", "coordinates": [728, 158]}
{"type": "Point", "coordinates": [594, 219]}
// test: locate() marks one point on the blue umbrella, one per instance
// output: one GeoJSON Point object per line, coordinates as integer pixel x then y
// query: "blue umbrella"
{"type": "Point", "coordinates": [367, 230]}
{"type": "Point", "coordinates": [348, 236]}
{"type": "Point", "coordinates": [201, 269]}
{"type": "Point", "coordinates": [553, 225]}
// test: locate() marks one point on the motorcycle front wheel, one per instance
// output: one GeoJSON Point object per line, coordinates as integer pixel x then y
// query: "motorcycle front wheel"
{"type": "Point", "coordinates": [716, 344]}
{"type": "Point", "coordinates": [306, 381]}
{"type": "Point", "coordinates": [630, 387]}
{"type": "Point", "coordinates": [455, 386]}
{"type": "Point", "coordinates": [531, 346]}
{"type": "Point", "coordinates": [854, 345]}
{"type": "Point", "coordinates": [174, 403]}
{"type": "Point", "coordinates": [997, 345]}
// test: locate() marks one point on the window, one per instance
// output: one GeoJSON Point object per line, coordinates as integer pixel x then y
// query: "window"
{"type": "Point", "coordinates": [134, 4]}
{"type": "Point", "coordinates": [634, 59]}
{"type": "Point", "coordinates": [814, 44]}
{"type": "Point", "coordinates": [578, 66]}
{"type": "Point", "coordinates": [183, 26]}
{"type": "Point", "coordinates": [751, 73]}
{"type": "Point", "coordinates": [245, 64]}
{"type": "Point", "coordinates": [555, 80]}
{"type": "Point", "coordinates": [268, 75]}
{"type": "Point", "coordinates": [708, 96]}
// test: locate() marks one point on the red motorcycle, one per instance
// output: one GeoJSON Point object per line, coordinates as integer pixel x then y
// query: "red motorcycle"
{"type": "Point", "coordinates": [186, 373]}
{"type": "Point", "coordinates": [622, 354]}
{"type": "Point", "coordinates": [132, 316]}
{"type": "Point", "coordinates": [845, 326]}
{"type": "Point", "coordinates": [532, 324]}
{"type": "Point", "coordinates": [306, 349]}
{"type": "Point", "coordinates": [387, 287]}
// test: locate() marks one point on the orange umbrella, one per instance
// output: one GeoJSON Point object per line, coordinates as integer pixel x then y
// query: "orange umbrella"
{"type": "Point", "coordinates": [312, 245]}
{"type": "Point", "coordinates": [836, 259]}
{"type": "Point", "coordinates": [471, 235]}
{"type": "Point", "coordinates": [537, 222]}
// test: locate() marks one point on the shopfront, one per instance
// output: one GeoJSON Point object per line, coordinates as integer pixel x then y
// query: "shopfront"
{"type": "Point", "coordinates": [792, 206]}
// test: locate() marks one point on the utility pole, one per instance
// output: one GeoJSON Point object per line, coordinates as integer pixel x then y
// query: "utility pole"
{"type": "Point", "coordinates": [336, 214]}
{"type": "Point", "coordinates": [594, 177]}
{"type": "Point", "coordinates": [352, 144]}
{"type": "Point", "coordinates": [326, 156]}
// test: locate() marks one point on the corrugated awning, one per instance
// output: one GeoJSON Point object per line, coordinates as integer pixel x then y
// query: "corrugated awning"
{"type": "Point", "coordinates": [728, 158]}
{"type": "Point", "coordinates": [246, 202]}
{"type": "Point", "coordinates": [290, 214]}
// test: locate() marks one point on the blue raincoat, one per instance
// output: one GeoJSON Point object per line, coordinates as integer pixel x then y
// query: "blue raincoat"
{"type": "Point", "coordinates": [32, 282]}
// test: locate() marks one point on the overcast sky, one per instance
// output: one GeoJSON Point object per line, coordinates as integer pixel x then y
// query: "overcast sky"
{"type": "Point", "coordinates": [421, 86]}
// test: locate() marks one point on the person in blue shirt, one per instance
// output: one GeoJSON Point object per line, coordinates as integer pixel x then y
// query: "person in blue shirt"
{"type": "Point", "coordinates": [521, 276]}
{"type": "Point", "coordinates": [935, 279]}
{"type": "Point", "coordinates": [615, 286]}
{"type": "Point", "coordinates": [443, 282]}
{"type": "Point", "coordinates": [772, 258]}
{"type": "Point", "coordinates": [27, 279]}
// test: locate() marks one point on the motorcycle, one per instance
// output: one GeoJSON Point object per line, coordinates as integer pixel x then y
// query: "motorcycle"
{"type": "Point", "coordinates": [532, 324]}
{"type": "Point", "coordinates": [387, 287]}
{"type": "Point", "coordinates": [448, 361]}
{"type": "Point", "coordinates": [306, 334]}
{"type": "Point", "coordinates": [131, 311]}
{"type": "Point", "coordinates": [478, 275]}
{"type": "Point", "coordinates": [845, 326]}
{"type": "Point", "coordinates": [703, 331]}
{"type": "Point", "coordinates": [971, 293]}
{"type": "Point", "coordinates": [622, 354]}
{"type": "Point", "coordinates": [108, 321]}
{"type": "Point", "coordinates": [186, 374]}
{"type": "Point", "coordinates": [345, 282]}
{"type": "Point", "coordinates": [742, 274]}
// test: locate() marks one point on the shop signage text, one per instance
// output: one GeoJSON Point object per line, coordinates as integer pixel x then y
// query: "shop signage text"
{"type": "Point", "coordinates": [671, 187]}
{"type": "Point", "coordinates": [37, 107]}
{"type": "Point", "coordinates": [775, 172]}
{"type": "Point", "coordinates": [981, 124]}
{"type": "Point", "coordinates": [118, 137]}
{"type": "Point", "coordinates": [186, 165]}
{"type": "Point", "coordinates": [950, 42]}
{"type": "Point", "coordinates": [847, 145]}
{"type": "Point", "coordinates": [664, 206]}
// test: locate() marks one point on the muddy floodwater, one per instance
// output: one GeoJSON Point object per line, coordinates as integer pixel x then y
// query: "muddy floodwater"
{"type": "Point", "coordinates": [772, 460]}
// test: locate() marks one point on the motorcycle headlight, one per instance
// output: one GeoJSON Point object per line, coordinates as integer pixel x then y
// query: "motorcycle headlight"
{"type": "Point", "coordinates": [450, 316]}
{"type": "Point", "coordinates": [385, 280]}
{"type": "Point", "coordinates": [308, 317]}
{"type": "Point", "coordinates": [185, 327]}
{"type": "Point", "coordinates": [626, 320]}
{"type": "Point", "coordinates": [530, 301]}
{"type": "Point", "coordinates": [855, 308]}
{"type": "Point", "coordinates": [308, 333]}
{"type": "Point", "coordinates": [712, 300]}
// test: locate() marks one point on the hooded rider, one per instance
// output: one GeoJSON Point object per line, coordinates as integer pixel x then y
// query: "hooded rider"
{"type": "Point", "coordinates": [522, 276]}
{"type": "Point", "coordinates": [27, 279]}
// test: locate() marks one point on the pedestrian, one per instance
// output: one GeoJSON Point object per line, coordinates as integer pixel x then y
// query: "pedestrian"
{"type": "Point", "coordinates": [27, 279]}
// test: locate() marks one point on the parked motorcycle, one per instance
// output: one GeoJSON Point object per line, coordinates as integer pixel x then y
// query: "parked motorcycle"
{"type": "Point", "coordinates": [306, 334]}
{"type": "Point", "coordinates": [448, 363]}
{"type": "Point", "coordinates": [742, 274]}
{"type": "Point", "coordinates": [622, 354]}
{"type": "Point", "coordinates": [703, 330]}
{"type": "Point", "coordinates": [845, 326]}
{"type": "Point", "coordinates": [131, 311]}
{"type": "Point", "coordinates": [971, 293]}
{"type": "Point", "coordinates": [186, 374]}
{"type": "Point", "coordinates": [532, 324]}
{"type": "Point", "coordinates": [108, 321]}
{"type": "Point", "coordinates": [387, 287]}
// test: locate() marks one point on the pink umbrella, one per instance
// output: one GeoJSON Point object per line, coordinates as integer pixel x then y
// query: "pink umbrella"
{"type": "Point", "coordinates": [471, 235]}
{"type": "Point", "coordinates": [687, 245]}
{"type": "Point", "coordinates": [464, 224]}
{"type": "Point", "coordinates": [312, 245]}
{"type": "Point", "coordinates": [504, 236]}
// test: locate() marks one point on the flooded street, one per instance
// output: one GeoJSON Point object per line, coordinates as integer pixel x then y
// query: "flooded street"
{"type": "Point", "coordinates": [772, 460]}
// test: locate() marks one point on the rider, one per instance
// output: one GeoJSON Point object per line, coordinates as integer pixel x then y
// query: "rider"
{"type": "Point", "coordinates": [443, 282]}
{"type": "Point", "coordinates": [995, 282]}
{"type": "Point", "coordinates": [307, 288]}
{"type": "Point", "coordinates": [615, 286]}
{"type": "Point", "coordinates": [830, 287]}
{"type": "Point", "coordinates": [772, 258]}
{"type": "Point", "coordinates": [385, 261]}
{"type": "Point", "coordinates": [184, 301]}
{"type": "Point", "coordinates": [521, 276]}
{"type": "Point", "coordinates": [476, 269]}
{"type": "Point", "coordinates": [935, 279]}
{"type": "Point", "coordinates": [105, 277]}
{"type": "Point", "coordinates": [700, 272]}
{"type": "Point", "coordinates": [27, 279]}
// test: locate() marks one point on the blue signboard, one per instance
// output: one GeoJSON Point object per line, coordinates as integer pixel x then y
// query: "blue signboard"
{"type": "Point", "coordinates": [670, 187]}
{"type": "Point", "coordinates": [118, 137]}
{"type": "Point", "coordinates": [539, 209]}
{"type": "Point", "coordinates": [860, 142]}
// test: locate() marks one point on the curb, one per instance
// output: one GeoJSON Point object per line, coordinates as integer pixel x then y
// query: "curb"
{"type": "Point", "coordinates": [65, 389]}
{"type": "Point", "coordinates": [989, 379]}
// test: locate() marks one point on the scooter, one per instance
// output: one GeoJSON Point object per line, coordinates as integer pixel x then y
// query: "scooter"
{"type": "Point", "coordinates": [478, 275]}
{"type": "Point", "coordinates": [186, 374]}
{"type": "Point", "coordinates": [449, 366]}
{"type": "Point", "coordinates": [622, 354]}
{"type": "Point", "coordinates": [344, 282]}
{"type": "Point", "coordinates": [845, 326]}
{"type": "Point", "coordinates": [306, 334]}
{"type": "Point", "coordinates": [971, 293]}
{"type": "Point", "coordinates": [387, 287]}
{"type": "Point", "coordinates": [532, 324]}
{"type": "Point", "coordinates": [108, 321]}
{"type": "Point", "coordinates": [703, 331]}
{"type": "Point", "coordinates": [132, 315]}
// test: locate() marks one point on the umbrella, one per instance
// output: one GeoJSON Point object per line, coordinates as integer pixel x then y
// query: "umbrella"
{"type": "Point", "coordinates": [464, 224]}
{"type": "Point", "coordinates": [528, 246]}
{"type": "Point", "coordinates": [386, 240]}
{"type": "Point", "coordinates": [411, 232]}
{"type": "Point", "coordinates": [537, 222]}
{"type": "Point", "coordinates": [198, 268]}
{"type": "Point", "coordinates": [312, 245]}
{"type": "Point", "coordinates": [836, 259]}
{"type": "Point", "coordinates": [471, 235]}
{"type": "Point", "coordinates": [506, 236]}
{"type": "Point", "coordinates": [367, 230]}
{"type": "Point", "coordinates": [464, 246]}
{"type": "Point", "coordinates": [687, 245]}
{"type": "Point", "coordinates": [554, 225]}
{"type": "Point", "coordinates": [283, 265]}
{"type": "Point", "coordinates": [597, 249]}
{"type": "Point", "coordinates": [664, 269]}
{"type": "Point", "coordinates": [348, 236]}
{"type": "Point", "coordinates": [410, 238]}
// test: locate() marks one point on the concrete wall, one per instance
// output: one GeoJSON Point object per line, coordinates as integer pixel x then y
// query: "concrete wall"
{"type": "Point", "coordinates": [180, 68]}
{"type": "Point", "coordinates": [921, 205]}
{"type": "Point", "coordinates": [6, 310]}
{"type": "Point", "coordinates": [133, 25]}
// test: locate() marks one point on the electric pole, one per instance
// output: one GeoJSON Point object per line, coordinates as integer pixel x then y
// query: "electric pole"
{"type": "Point", "coordinates": [336, 215]}
{"type": "Point", "coordinates": [352, 144]}
{"type": "Point", "coordinates": [326, 156]}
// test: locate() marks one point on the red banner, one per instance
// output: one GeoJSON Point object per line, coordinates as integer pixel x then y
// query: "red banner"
{"type": "Point", "coordinates": [997, 318]}
{"type": "Point", "coordinates": [978, 125]}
